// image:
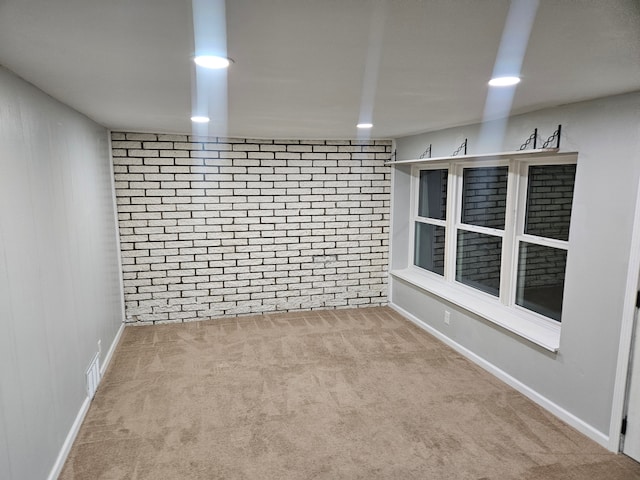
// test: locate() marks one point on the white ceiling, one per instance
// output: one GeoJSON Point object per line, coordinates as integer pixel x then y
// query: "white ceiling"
{"type": "Point", "coordinates": [300, 65]}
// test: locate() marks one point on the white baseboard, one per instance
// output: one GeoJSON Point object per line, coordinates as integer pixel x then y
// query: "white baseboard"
{"type": "Point", "coordinates": [68, 442]}
{"type": "Point", "coordinates": [112, 349]}
{"type": "Point", "coordinates": [527, 391]}
{"type": "Point", "coordinates": [84, 408]}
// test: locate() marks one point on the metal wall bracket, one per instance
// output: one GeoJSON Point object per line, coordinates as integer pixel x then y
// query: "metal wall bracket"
{"type": "Point", "coordinates": [426, 153]}
{"type": "Point", "coordinates": [532, 138]}
{"type": "Point", "coordinates": [548, 142]}
{"type": "Point", "coordinates": [460, 148]}
{"type": "Point", "coordinates": [555, 136]}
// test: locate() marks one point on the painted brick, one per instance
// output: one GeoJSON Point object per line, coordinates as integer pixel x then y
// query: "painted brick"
{"type": "Point", "coordinates": [125, 144]}
{"type": "Point", "coordinates": [141, 136]}
{"type": "Point", "coordinates": [174, 153]}
{"type": "Point", "coordinates": [219, 226]}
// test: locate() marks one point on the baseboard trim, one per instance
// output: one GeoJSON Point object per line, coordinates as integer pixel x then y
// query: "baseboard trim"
{"type": "Point", "coordinates": [112, 349]}
{"type": "Point", "coordinates": [68, 442]}
{"type": "Point", "coordinates": [84, 408]}
{"type": "Point", "coordinates": [527, 391]}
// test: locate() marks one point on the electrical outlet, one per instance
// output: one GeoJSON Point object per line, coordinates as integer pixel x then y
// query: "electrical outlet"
{"type": "Point", "coordinates": [447, 316]}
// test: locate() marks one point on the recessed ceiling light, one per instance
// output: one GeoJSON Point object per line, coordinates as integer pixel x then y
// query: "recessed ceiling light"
{"type": "Point", "coordinates": [364, 125]}
{"type": "Point", "coordinates": [504, 81]}
{"type": "Point", "coordinates": [212, 61]}
{"type": "Point", "coordinates": [199, 119]}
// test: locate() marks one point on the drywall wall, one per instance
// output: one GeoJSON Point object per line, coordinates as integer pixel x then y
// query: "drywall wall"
{"type": "Point", "coordinates": [214, 227]}
{"type": "Point", "coordinates": [59, 272]}
{"type": "Point", "coordinates": [580, 377]}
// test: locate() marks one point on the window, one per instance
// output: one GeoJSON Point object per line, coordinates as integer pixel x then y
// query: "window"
{"type": "Point", "coordinates": [480, 230]}
{"type": "Point", "coordinates": [430, 221]}
{"type": "Point", "coordinates": [499, 228]}
{"type": "Point", "coordinates": [542, 240]}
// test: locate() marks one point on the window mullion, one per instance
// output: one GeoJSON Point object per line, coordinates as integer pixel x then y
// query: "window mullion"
{"type": "Point", "coordinates": [414, 187]}
{"type": "Point", "coordinates": [453, 217]}
{"type": "Point", "coordinates": [509, 243]}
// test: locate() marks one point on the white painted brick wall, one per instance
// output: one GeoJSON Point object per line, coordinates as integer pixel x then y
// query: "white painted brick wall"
{"type": "Point", "coordinates": [213, 227]}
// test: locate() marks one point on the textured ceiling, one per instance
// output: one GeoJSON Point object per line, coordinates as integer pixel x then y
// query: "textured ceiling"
{"type": "Point", "coordinates": [310, 68]}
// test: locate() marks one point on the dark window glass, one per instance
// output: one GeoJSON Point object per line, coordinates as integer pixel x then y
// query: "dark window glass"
{"type": "Point", "coordinates": [432, 201]}
{"type": "Point", "coordinates": [484, 196]}
{"type": "Point", "coordinates": [478, 261]}
{"type": "Point", "coordinates": [540, 283]}
{"type": "Point", "coordinates": [429, 247]}
{"type": "Point", "coordinates": [549, 200]}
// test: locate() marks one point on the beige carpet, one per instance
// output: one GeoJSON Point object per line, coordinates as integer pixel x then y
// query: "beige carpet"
{"type": "Point", "coordinates": [340, 394]}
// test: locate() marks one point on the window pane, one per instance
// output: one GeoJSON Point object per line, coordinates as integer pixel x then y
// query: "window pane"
{"type": "Point", "coordinates": [429, 247]}
{"type": "Point", "coordinates": [432, 201]}
{"type": "Point", "coordinates": [541, 279]}
{"type": "Point", "coordinates": [484, 196]}
{"type": "Point", "coordinates": [478, 261]}
{"type": "Point", "coordinates": [549, 200]}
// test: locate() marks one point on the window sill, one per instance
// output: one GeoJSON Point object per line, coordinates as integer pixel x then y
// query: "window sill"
{"type": "Point", "coordinates": [533, 328]}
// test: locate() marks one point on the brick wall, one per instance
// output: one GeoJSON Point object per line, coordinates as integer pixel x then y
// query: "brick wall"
{"type": "Point", "coordinates": [219, 227]}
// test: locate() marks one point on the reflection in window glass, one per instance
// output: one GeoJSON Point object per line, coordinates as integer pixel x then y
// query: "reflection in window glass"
{"type": "Point", "coordinates": [432, 201]}
{"type": "Point", "coordinates": [549, 200]}
{"type": "Point", "coordinates": [541, 279]}
{"type": "Point", "coordinates": [484, 196]}
{"type": "Point", "coordinates": [478, 261]}
{"type": "Point", "coordinates": [429, 247]}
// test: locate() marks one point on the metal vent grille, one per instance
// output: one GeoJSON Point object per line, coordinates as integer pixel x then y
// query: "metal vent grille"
{"type": "Point", "coordinates": [93, 376]}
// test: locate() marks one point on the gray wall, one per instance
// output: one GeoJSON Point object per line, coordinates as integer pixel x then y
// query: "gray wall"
{"type": "Point", "coordinates": [59, 275]}
{"type": "Point", "coordinates": [580, 377]}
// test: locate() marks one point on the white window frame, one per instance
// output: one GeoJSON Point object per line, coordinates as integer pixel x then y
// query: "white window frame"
{"type": "Point", "coordinates": [501, 310]}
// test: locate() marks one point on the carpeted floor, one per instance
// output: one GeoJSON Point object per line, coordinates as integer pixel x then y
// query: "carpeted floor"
{"type": "Point", "coordinates": [339, 394]}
